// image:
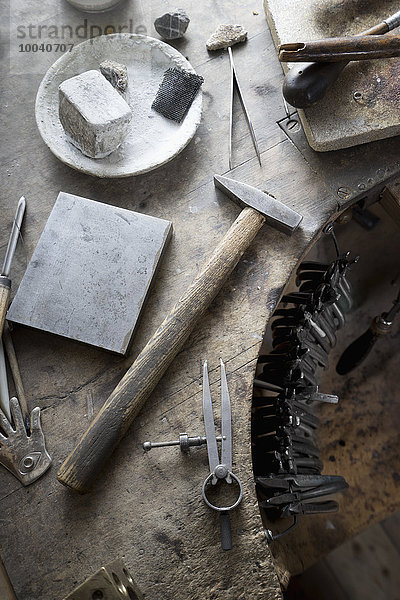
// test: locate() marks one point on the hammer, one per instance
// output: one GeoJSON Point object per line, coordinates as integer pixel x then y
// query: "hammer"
{"type": "Point", "coordinates": [88, 458]}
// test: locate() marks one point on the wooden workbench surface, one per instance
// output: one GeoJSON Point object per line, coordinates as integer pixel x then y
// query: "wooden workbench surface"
{"type": "Point", "coordinates": [147, 509]}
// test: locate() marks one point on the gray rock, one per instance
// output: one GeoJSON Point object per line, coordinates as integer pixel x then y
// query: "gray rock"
{"type": "Point", "coordinates": [226, 35]}
{"type": "Point", "coordinates": [116, 74]}
{"type": "Point", "coordinates": [172, 25]}
{"type": "Point", "coordinates": [94, 115]}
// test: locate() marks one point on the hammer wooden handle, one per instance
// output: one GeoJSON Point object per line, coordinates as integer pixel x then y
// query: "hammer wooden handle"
{"type": "Point", "coordinates": [86, 461]}
{"type": "Point", "coordinates": [5, 289]}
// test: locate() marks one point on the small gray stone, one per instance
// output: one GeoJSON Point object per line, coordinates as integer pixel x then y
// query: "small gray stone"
{"type": "Point", "coordinates": [94, 115]}
{"type": "Point", "coordinates": [116, 74]}
{"type": "Point", "coordinates": [226, 35]}
{"type": "Point", "coordinates": [172, 25]}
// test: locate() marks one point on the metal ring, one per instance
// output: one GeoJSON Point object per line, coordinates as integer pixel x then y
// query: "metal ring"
{"type": "Point", "coordinates": [223, 508]}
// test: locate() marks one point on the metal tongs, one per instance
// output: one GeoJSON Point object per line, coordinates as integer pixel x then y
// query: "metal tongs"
{"type": "Point", "coordinates": [220, 470]}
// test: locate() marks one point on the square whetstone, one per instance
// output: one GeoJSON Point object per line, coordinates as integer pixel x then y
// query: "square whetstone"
{"type": "Point", "coordinates": [338, 120]}
{"type": "Point", "coordinates": [90, 273]}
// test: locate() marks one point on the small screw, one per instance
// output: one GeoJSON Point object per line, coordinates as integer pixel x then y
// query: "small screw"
{"type": "Point", "coordinates": [343, 192]}
{"type": "Point", "coordinates": [345, 217]}
{"type": "Point", "coordinates": [358, 96]}
{"type": "Point", "coordinates": [221, 472]}
{"type": "Point", "coordinates": [293, 125]}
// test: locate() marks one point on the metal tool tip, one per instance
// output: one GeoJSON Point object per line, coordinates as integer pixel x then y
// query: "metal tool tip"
{"type": "Point", "coordinates": [21, 207]}
{"type": "Point", "coordinates": [147, 446]}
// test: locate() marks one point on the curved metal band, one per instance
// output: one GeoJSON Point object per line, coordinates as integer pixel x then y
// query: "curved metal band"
{"type": "Point", "coordinates": [222, 508]}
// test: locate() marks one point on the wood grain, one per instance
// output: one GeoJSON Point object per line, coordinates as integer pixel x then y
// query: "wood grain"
{"type": "Point", "coordinates": [390, 200]}
{"type": "Point", "coordinates": [371, 552]}
{"type": "Point", "coordinates": [5, 290]}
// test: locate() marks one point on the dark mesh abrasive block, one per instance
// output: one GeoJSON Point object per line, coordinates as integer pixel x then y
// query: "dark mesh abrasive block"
{"type": "Point", "coordinates": [176, 93]}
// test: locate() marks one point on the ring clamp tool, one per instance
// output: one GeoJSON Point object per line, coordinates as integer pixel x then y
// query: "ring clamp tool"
{"type": "Point", "coordinates": [220, 470]}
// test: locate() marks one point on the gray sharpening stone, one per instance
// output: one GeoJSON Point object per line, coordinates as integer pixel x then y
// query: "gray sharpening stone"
{"type": "Point", "coordinates": [95, 117]}
{"type": "Point", "coordinates": [339, 120]}
{"type": "Point", "coordinates": [90, 273]}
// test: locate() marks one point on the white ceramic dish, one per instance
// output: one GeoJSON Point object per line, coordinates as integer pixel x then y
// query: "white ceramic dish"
{"type": "Point", "coordinates": [153, 140]}
{"type": "Point", "coordinates": [94, 5]}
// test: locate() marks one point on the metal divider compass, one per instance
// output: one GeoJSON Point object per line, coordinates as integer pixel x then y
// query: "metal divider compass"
{"type": "Point", "coordinates": [220, 470]}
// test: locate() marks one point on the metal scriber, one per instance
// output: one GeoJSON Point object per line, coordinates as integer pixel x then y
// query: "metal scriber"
{"type": "Point", "coordinates": [235, 83]}
{"type": "Point", "coordinates": [219, 470]}
{"type": "Point", "coordinates": [5, 283]}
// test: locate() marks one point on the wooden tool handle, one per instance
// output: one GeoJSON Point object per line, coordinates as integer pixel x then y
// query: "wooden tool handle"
{"type": "Point", "coordinates": [341, 48]}
{"type": "Point", "coordinates": [90, 455]}
{"type": "Point", "coordinates": [358, 350]}
{"type": "Point", "coordinates": [5, 289]}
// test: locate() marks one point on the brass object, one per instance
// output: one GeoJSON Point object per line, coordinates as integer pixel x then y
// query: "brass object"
{"type": "Point", "coordinates": [112, 582]}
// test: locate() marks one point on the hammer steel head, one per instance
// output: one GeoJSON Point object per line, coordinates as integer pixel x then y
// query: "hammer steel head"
{"type": "Point", "coordinates": [278, 215]}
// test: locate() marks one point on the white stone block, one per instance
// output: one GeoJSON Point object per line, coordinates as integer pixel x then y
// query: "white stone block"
{"type": "Point", "coordinates": [94, 115]}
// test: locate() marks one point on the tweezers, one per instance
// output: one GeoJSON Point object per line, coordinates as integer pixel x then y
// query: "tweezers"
{"type": "Point", "coordinates": [235, 83]}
